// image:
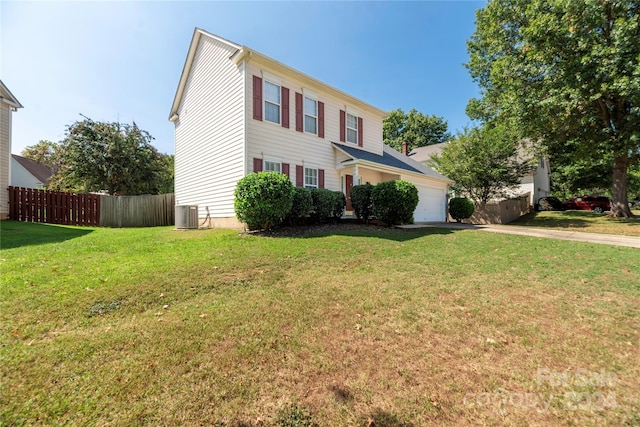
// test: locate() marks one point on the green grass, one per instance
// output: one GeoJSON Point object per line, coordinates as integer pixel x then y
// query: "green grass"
{"type": "Point", "coordinates": [585, 221]}
{"type": "Point", "coordinates": [162, 327]}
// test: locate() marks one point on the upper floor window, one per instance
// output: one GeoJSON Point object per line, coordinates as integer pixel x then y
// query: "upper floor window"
{"type": "Point", "coordinates": [270, 166]}
{"type": "Point", "coordinates": [352, 128]}
{"type": "Point", "coordinates": [310, 115]}
{"type": "Point", "coordinates": [310, 178]}
{"type": "Point", "coordinates": [271, 102]}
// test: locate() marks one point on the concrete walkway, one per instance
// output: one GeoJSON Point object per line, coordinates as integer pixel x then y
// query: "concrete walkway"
{"type": "Point", "coordinates": [577, 236]}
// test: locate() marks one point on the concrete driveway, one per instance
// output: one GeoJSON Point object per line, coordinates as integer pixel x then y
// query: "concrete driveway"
{"type": "Point", "coordinates": [577, 236]}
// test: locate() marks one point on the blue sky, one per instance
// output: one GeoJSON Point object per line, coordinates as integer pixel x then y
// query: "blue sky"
{"type": "Point", "coordinates": [122, 60]}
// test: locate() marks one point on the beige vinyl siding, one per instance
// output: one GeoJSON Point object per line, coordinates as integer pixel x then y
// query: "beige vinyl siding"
{"type": "Point", "coordinates": [5, 158]}
{"type": "Point", "coordinates": [209, 134]}
{"type": "Point", "coordinates": [269, 140]}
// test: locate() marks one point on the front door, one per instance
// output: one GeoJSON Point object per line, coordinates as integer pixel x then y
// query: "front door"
{"type": "Point", "coordinates": [348, 184]}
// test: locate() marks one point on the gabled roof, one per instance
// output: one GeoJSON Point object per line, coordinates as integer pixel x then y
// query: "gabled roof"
{"type": "Point", "coordinates": [389, 158]}
{"type": "Point", "coordinates": [40, 171]}
{"type": "Point", "coordinates": [422, 154]}
{"type": "Point", "coordinates": [7, 97]}
{"type": "Point", "coordinates": [247, 54]}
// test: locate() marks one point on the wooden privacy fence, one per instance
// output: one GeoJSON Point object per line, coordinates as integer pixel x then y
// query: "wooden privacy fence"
{"type": "Point", "coordinates": [53, 207]}
{"type": "Point", "coordinates": [137, 211]}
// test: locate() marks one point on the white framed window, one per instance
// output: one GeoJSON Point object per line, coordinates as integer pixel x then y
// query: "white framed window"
{"type": "Point", "coordinates": [352, 128]}
{"type": "Point", "coordinates": [310, 177]}
{"type": "Point", "coordinates": [271, 166]}
{"type": "Point", "coordinates": [310, 115]}
{"type": "Point", "coordinates": [272, 102]}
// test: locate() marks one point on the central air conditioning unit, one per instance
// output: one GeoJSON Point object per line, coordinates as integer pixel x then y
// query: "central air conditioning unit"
{"type": "Point", "coordinates": [186, 217]}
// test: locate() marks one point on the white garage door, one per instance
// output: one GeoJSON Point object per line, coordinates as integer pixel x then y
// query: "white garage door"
{"type": "Point", "coordinates": [431, 204]}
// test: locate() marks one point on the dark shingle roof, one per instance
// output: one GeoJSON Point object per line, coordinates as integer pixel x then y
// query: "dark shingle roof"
{"type": "Point", "coordinates": [385, 159]}
{"type": "Point", "coordinates": [41, 172]}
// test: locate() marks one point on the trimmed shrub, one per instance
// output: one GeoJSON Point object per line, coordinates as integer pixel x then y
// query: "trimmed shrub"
{"type": "Point", "coordinates": [339, 203]}
{"type": "Point", "coordinates": [460, 208]}
{"type": "Point", "coordinates": [394, 201]}
{"type": "Point", "coordinates": [361, 201]}
{"type": "Point", "coordinates": [323, 202]}
{"type": "Point", "coordinates": [302, 205]}
{"type": "Point", "coordinates": [263, 199]}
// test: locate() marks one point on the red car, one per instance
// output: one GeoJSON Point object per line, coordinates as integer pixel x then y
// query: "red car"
{"type": "Point", "coordinates": [588, 203]}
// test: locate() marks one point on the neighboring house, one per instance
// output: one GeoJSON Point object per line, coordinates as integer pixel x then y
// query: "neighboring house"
{"type": "Point", "coordinates": [535, 183]}
{"type": "Point", "coordinates": [8, 104]}
{"type": "Point", "coordinates": [28, 173]}
{"type": "Point", "coordinates": [237, 111]}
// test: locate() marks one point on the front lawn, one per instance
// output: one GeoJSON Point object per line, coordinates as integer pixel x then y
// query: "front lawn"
{"type": "Point", "coordinates": [359, 327]}
{"type": "Point", "coordinates": [586, 221]}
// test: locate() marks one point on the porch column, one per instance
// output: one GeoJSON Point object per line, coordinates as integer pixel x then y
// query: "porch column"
{"type": "Point", "coordinates": [355, 175]}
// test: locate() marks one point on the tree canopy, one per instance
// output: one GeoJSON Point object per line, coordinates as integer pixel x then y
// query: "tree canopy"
{"type": "Point", "coordinates": [45, 152]}
{"type": "Point", "coordinates": [112, 157]}
{"type": "Point", "coordinates": [566, 72]}
{"type": "Point", "coordinates": [486, 162]}
{"type": "Point", "coordinates": [415, 128]}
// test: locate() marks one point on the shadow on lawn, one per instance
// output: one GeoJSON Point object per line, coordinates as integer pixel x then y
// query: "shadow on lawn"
{"type": "Point", "coordinates": [352, 230]}
{"type": "Point", "coordinates": [14, 234]}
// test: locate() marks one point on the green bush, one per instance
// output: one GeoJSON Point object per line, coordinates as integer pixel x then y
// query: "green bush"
{"type": "Point", "coordinates": [263, 199]}
{"type": "Point", "coordinates": [302, 205]}
{"type": "Point", "coordinates": [460, 208]}
{"type": "Point", "coordinates": [339, 203]}
{"type": "Point", "coordinates": [361, 201]}
{"type": "Point", "coordinates": [394, 201]}
{"type": "Point", "coordinates": [323, 202]}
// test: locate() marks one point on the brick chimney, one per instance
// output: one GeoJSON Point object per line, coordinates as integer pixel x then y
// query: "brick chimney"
{"type": "Point", "coordinates": [405, 148]}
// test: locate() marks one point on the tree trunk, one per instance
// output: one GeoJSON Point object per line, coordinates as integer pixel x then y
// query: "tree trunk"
{"type": "Point", "coordinates": [619, 204]}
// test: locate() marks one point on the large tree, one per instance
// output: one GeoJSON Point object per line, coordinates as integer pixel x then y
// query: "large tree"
{"type": "Point", "coordinates": [486, 163]}
{"type": "Point", "coordinates": [415, 128]}
{"type": "Point", "coordinates": [112, 157]}
{"type": "Point", "coordinates": [566, 72]}
{"type": "Point", "coordinates": [45, 152]}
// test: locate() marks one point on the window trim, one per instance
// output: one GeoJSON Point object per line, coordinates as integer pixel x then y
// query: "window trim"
{"type": "Point", "coordinates": [265, 101]}
{"type": "Point", "coordinates": [347, 127]}
{"type": "Point", "coordinates": [305, 114]}
{"type": "Point", "coordinates": [272, 161]}
{"type": "Point", "coordinates": [317, 178]}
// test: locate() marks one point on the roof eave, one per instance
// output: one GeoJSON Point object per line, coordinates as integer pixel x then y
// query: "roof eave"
{"type": "Point", "coordinates": [253, 55]}
{"type": "Point", "coordinates": [384, 168]}
{"type": "Point", "coordinates": [11, 99]}
{"type": "Point", "coordinates": [186, 69]}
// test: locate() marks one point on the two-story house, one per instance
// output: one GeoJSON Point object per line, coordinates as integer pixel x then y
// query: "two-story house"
{"type": "Point", "coordinates": [8, 104]}
{"type": "Point", "coordinates": [237, 111]}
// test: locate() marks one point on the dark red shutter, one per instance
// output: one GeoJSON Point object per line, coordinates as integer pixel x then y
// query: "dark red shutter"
{"type": "Point", "coordinates": [343, 125]}
{"type": "Point", "coordinates": [360, 132]}
{"type": "Point", "coordinates": [285, 106]}
{"type": "Point", "coordinates": [299, 176]}
{"type": "Point", "coordinates": [321, 119]}
{"type": "Point", "coordinates": [285, 169]}
{"type": "Point", "coordinates": [299, 115]}
{"type": "Point", "coordinates": [321, 178]}
{"type": "Point", "coordinates": [257, 98]}
{"type": "Point", "coordinates": [257, 165]}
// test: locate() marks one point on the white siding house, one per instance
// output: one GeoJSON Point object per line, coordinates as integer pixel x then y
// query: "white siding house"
{"type": "Point", "coordinates": [536, 183]}
{"type": "Point", "coordinates": [237, 111]}
{"type": "Point", "coordinates": [27, 173]}
{"type": "Point", "coordinates": [8, 104]}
